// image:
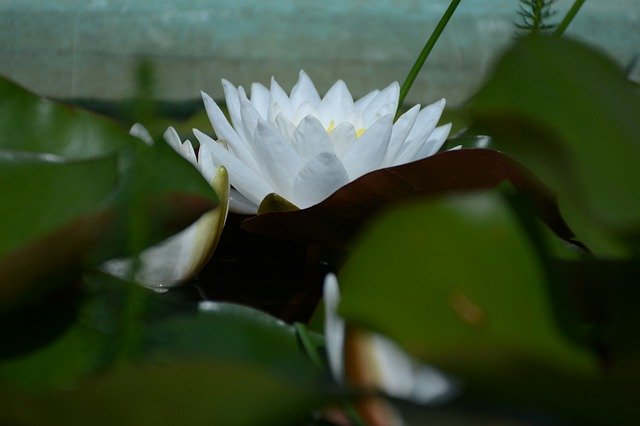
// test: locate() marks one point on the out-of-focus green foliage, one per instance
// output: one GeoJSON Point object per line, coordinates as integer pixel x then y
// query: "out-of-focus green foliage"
{"type": "Point", "coordinates": [570, 115]}
{"type": "Point", "coordinates": [33, 124]}
{"type": "Point", "coordinates": [473, 283]}
{"type": "Point", "coordinates": [479, 283]}
{"type": "Point", "coordinates": [201, 392]}
{"type": "Point", "coordinates": [478, 288]}
{"type": "Point", "coordinates": [76, 188]}
{"type": "Point", "coordinates": [459, 282]}
{"type": "Point", "coordinates": [220, 363]}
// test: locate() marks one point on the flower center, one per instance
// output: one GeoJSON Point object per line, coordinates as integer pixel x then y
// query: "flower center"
{"type": "Point", "coordinates": [332, 126]}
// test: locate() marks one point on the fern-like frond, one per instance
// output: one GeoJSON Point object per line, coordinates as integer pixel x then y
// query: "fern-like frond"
{"type": "Point", "coordinates": [535, 15]}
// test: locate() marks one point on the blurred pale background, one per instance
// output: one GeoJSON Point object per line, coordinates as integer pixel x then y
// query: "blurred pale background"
{"type": "Point", "coordinates": [88, 49]}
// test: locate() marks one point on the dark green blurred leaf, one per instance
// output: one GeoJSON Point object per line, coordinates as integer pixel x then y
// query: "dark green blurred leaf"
{"type": "Point", "coordinates": [466, 141]}
{"type": "Point", "coordinates": [227, 331]}
{"type": "Point", "coordinates": [567, 112]}
{"type": "Point", "coordinates": [56, 212]}
{"type": "Point", "coordinates": [62, 363]}
{"type": "Point", "coordinates": [224, 364]}
{"type": "Point", "coordinates": [464, 289]}
{"type": "Point", "coordinates": [463, 275]}
{"type": "Point", "coordinates": [33, 124]}
{"type": "Point", "coordinates": [458, 117]}
{"type": "Point", "coordinates": [38, 319]}
{"type": "Point", "coordinates": [40, 196]}
{"type": "Point", "coordinates": [159, 193]}
{"type": "Point", "coordinates": [608, 293]}
{"type": "Point", "coordinates": [103, 194]}
{"type": "Point", "coordinates": [215, 392]}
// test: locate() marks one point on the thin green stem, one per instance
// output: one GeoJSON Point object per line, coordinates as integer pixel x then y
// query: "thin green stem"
{"type": "Point", "coordinates": [133, 308]}
{"type": "Point", "coordinates": [431, 42]}
{"type": "Point", "coordinates": [308, 345]}
{"type": "Point", "coordinates": [560, 29]}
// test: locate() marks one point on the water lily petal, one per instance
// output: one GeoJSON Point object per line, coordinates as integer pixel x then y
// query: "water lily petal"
{"type": "Point", "coordinates": [303, 111]}
{"type": "Point", "coordinates": [310, 139]}
{"type": "Point", "coordinates": [278, 160]}
{"type": "Point", "coordinates": [368, 151]}
{"type": "Point", "coordinates": [279, 97]}
{"type": "Point", "coordinates": [182, 255]}
{"type": "Point", "coordinates": [224, 131]}
{"type": "Point", "coordinates": [437, 138]}
{"type": "Point", "coordinates": [333, 327]}
{"type": "Point", "coordinates": [336, 104]}
{"type": "Point", "coordinates": [304, 92]}
{"type": "Point", "coordinates": [366, 99]}
{"type": "Point", "coordinates": [184, 149]}
{"type": "Point", "coordinates": [285, 126]}
{"type": "Point", "coordinates": [419, 135]}
{"type": "Point", "coordinates": [233, 107]}
{"type": "Point", "coordinates": [388, 108]}
{"type": "Point", "coordinates": [243, 178]}
{"type": "Point", "coordinates": [238, 203]}
{"type": "Point", "coordinates": [427, 120]}
{"type": "Point", "coordinates": [356, 119]}
{"type": "Point", "coordinates": [249, 115]}
{"type": "Point", "coordinates": [387, 98]}
{"type": "Point", "coordinates": [139, 131]}
{"type": "Point", "coordinates": [319, 178]}
{"type": "Point", "coordinates": [275, 135]}
{"type": "Point", "coordinates": [260, 99]}
{"type": "Point", "coordinates": [187, 151]}
{"type": "Point", "coordinates": [400, 376]}
{"type": "Point", "coordinates": [343, 136]}
{"type": "Point", "coordinates": [275, 110]}
{"type": "Point", "coordinates": [401, 129]}
{"type": "Point", "coordinates": [206, 164]}
{"type": "Point", "coordinates": [391, 370]}
{"type": "Point", "coordinates": [172, 138]}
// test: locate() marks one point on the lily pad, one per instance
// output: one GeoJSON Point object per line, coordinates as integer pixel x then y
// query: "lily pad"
{"type": "Point", "coordinates": [34, 124]}
{"type": "Point", "coordinates": [338, 219]}
{"type": "Point", "coordinates": [578, 130]}
{"type": "Point", "coordinates": [77, 189]}
{"type": "Point", "coordinates": [464, 289]}
{"type": "Point", "coordinates": [187, 392]}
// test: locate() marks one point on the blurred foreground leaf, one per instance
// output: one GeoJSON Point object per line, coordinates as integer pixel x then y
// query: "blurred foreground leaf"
{"type": "Point", "coordinates": [76, 190]}
{"type": "Point", "coordinates": [463, 288]}
{"type": "Point", "coordinates": [33, 124]}
{"type": "Point", "coordinates": [56, 211]}
{"type": "Point", "coordinates": [577, 128]}
{"type": "Point", "coordinates": [231, 331]}
{"type": "Point", "coordinates": [70, 358]}
{"type": "Point", "coordinates": [186, 393]}
{"type": "Point", "coordinates": [219, 364]}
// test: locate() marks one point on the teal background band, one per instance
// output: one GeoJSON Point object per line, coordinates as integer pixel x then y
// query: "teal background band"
{"type": "Point", "coordinates": [89, 48]}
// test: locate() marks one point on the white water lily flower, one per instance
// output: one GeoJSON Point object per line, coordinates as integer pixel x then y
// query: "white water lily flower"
{"type": "Point", "coordinates": [182, 255]}
{"type": "Point", "coordinates": [303, 147]}
{"type": "Point", "coordinates": [381, 363]}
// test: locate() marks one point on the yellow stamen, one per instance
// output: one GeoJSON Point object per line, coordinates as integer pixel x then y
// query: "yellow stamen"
{"type": "Point", "coordinates": [332, 127]}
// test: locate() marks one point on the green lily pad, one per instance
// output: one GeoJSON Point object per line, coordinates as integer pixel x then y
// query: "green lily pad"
{"type": "Point", "coordinates": [577, 128]}
{"type": "Point", "coordinates": [457, 282]}
{"type": "Point", "coordinates": [189, 392]}
{"type": "Point", "coordinates": [33, 124]}
{"type": "Point", "coordinates": [78, 190]}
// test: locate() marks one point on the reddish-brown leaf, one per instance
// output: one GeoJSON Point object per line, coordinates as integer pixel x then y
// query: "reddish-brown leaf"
{"type": "Point", "coordinates": [338, 219]}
